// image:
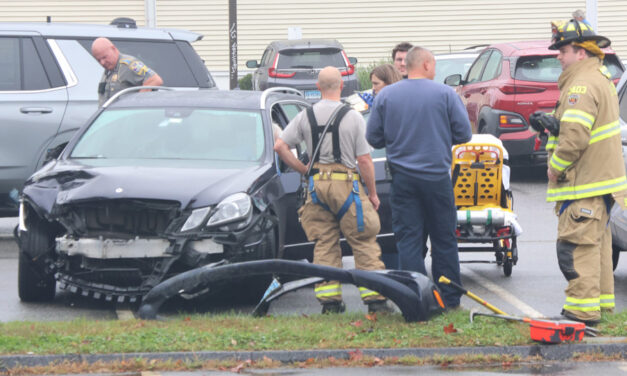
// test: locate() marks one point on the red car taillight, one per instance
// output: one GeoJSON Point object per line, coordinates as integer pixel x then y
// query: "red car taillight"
{"type": "Point", "coordinates": [510, 121]}
{"type": "Point", "coordinates": [520, 89]}
{"type": "Point", "coordinates": [272, 70]}
{"type": "Point", "coordinates": [350, 67]}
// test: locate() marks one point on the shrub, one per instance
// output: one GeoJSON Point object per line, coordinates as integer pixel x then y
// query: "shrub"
{"type": "Point", "coordinates": [363, 74]}
{"type": "Point", "coordinates": [246, 82]}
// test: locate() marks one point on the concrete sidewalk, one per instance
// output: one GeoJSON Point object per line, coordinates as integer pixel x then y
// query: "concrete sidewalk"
{"type": "Point", "coordinates": [611, 347]}
{"type": "Point", "coordinates": [8, 247]}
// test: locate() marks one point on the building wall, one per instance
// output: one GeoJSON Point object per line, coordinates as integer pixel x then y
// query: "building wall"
{"type": "Point", "coordinates": [368, 29]}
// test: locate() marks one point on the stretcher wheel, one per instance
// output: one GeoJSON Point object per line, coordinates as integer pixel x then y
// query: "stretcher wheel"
{"type": "Point", "coordinates": [507, 267]}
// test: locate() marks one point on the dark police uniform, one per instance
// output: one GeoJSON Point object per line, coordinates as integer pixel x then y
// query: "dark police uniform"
{"type": "Point", "coordinates": [129, 72]}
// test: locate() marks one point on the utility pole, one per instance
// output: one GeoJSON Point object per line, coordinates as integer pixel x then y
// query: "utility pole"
{"type": "Point", "coordinates": [591, 14]}
{"type": "Point", "coordinates": [232, 44]}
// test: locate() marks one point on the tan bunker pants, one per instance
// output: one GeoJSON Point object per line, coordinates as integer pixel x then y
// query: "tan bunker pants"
{"type": "Point", "coordinates": [584, 253]}
{"type": "Point", "coordinates": [332, 187]}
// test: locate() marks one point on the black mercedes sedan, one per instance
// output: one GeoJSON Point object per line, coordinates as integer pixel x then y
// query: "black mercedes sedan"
{"type": "Point", "coordinates": [161, 182]}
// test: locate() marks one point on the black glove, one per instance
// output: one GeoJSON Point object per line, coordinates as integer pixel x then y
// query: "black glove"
{"type": "Point", "coordinates": [540, 121]}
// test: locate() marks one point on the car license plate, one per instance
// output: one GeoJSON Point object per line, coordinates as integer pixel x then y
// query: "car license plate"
{"type": "Point", "coordinates": [312, 94]}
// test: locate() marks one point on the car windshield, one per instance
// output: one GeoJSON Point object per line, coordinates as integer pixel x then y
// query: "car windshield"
{"type": "Point", "coordinates": [174, 133]}
{"type": "Point", "coordinates": [548, 68]}
{"type": "Point", "coordinates": [311, 59]}
{"type": "Point", "coordinates": [445, 67]}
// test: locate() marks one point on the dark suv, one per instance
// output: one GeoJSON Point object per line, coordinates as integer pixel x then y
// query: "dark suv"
{"type": "Point", "coordinates": [49, 82]}
{"type": "Point", "coordinates": [296, 64]}
{"type": "Point", "coordinates": [507, 83]}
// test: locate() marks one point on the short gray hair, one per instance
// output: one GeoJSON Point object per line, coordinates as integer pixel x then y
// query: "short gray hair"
{"type": "Point", "coordinates": [579, 13]}
{"type": "Point", "coordinates": [416, 56]}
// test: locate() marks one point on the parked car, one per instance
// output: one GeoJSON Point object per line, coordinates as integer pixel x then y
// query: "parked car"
{"type": "Point", "coordinates": [507, 83]}
{"type": "Point", "coordinates": [455, 62]}
{"type": "Point", "coordinates": [618, 218]}
{"type": "Point", "coordinates": [158, 183]}
{"type": "Point", "coordinates": [49, 82]}
{"type": "Point", "coordinates": [296, 64]}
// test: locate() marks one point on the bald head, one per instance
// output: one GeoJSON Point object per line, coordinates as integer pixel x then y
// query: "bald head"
{"type": "Point", "coordinates": [420, 63]}
{"type": "Point", "coordinates": [330, 82]}
{"type": "Point", "coordinates": [105, 52]}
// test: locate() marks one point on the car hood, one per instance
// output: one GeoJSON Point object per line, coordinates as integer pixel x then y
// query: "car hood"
{"type": "Point", "coordinates": [66, 182]}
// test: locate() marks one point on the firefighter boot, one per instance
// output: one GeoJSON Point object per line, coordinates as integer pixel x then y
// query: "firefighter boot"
{"type": "Point", "coordinates": [333, 307]}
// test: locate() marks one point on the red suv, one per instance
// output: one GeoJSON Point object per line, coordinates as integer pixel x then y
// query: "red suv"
{"type": "Point", "coordinates": [507, 83]}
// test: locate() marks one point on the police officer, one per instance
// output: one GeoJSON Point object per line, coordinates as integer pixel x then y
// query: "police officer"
{"type": "Point", "coordinates": [121, 71]}
{"type": "Point", "coordinates": [336, 199]}
{"type": "Point", "coordinates": [585, 170]}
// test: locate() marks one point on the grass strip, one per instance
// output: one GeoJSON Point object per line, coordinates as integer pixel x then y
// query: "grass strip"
{"type": "Point", "coordinates": [235, 332]}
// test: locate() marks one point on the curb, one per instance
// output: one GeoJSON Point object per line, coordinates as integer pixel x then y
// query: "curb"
{"type": "Point", "coordinates": [548, 352]}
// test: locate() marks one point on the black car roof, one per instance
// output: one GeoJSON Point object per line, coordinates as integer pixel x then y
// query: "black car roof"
{"type": "Point", "coordinates": [235, 99]}
{"type": "Point", "coordinates": [306, 43]}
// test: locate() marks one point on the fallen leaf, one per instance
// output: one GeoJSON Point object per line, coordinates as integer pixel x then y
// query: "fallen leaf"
{"type": "Point", "coordinates": [397, 341]}
{"type": "Point", "coordinates": [350, 336]}
{"type": "Point", "coordinates": [355, 355]}
{"type": "Point", "coordinates": [376, 362]}
{"type": "Point", "coordinates": [448, 329]}
{"type": "Point", "coordinates": [371, 316]}
{"type": "Point", "coordinates": [357, 323]}
{"type": "Point", "coordinates": [187, 319]}
{"type": "Point", "coordinates": [238, 368]}
{"type": "Point", "coordinates": [234, 342]}
{"type": "Point", "coordinates": [310, 361]}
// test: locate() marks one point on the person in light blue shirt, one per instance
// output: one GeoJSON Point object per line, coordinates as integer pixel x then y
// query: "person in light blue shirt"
{"type": "Point", "coordinates": [418, 121]}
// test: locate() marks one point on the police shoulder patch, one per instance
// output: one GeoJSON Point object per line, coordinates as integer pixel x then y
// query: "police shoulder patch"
{"type": "Point", "coordinates": [573, 99]}
{"type": "Point", "coordinates": [137, 66]}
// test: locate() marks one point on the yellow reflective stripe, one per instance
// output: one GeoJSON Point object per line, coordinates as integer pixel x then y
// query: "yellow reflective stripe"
{"type": "Point", "coordinates": [558, 163]}
{"type": "Point", "coordinates": [582, 309]}
{"type": "Point", "coordinates": [551, 143]}
{"type": "Point", "coordinates": [328, 287]}
{"type": "Point", "coordinates": [607, 301]}
{"type": "Point", "coordinates": [583, 305]}
{"type": "Point", "coordinates": [587, 190]}
{"type": "Point", "coordinates": [364, 292]}
{"type": "Point", "coordinates": [604, 132]}
{"type": "Point", "coordinates": [605, 71]}
{"type": "Point", "coordinates": [328, 294]}
{"type": "Point", "coordinates": [578, 116]}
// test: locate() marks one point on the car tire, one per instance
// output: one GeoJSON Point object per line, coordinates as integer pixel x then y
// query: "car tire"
{"type": "Point", "coordinates": [615, 255]}
{"type": "Point", "coordinates": [34, 283]}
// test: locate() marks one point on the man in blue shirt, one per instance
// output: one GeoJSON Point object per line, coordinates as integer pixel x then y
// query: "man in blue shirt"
{"type": "Point", "coordinates": [418, 121]}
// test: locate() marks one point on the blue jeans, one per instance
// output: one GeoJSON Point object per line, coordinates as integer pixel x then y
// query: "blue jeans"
{"type": "Point", "coordinates": [419, 204]}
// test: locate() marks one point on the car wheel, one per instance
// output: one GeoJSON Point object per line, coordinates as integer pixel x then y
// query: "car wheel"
{"type": "Point", "coordinates": [615, 256]}
{"type": "Point", "coordinates": [34, 282]}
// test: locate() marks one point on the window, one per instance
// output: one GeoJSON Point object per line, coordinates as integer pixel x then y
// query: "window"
{"type": "Point", "coordinates": [162, 57]}
{"type": "Point", "coordinates": [20, 66]}
{"type": "Point", "coordinates": [174, 133]}
{"type": "Point", "coordinates": [445, 67]}
{"type": "Point", "coordinates": [265, 59]}
{"type": "Point", "coordinates": [474, 73]}
{"type": "Point", "coordinates": [538, 68]}
{"type": "Point", "coordinates": [311, 59]}
{"type": "Point", "coordinates": [493, 66]}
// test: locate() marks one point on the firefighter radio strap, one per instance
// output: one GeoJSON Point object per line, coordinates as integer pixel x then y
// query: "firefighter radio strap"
{"type": "Point", "coordinates": [317, 135]}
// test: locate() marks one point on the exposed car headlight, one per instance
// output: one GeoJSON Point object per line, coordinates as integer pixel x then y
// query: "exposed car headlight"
{"type": "Point", "coordinates": [233, 208]}
{"type": "Point", "coordinates": [196, 218]}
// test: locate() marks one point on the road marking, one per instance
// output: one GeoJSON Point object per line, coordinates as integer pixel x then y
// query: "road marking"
{"type": "Point", "coordinates": [124, 314]}
{"type": "Point", "coordinates": [149, 373]}
{"type": "Point", "coordinates": [502, 293]}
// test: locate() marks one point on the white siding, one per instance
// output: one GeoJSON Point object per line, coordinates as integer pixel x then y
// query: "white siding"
{"type": "Point", "coordinates": [368, 29]}
{"type": "Point", "coordinates": [85, 11]}
{"type": "Point", "coordinates": [612, 23]}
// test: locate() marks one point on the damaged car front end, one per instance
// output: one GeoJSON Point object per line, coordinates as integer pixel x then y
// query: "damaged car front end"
{"type": "Point", "coordinates": [148, 190]}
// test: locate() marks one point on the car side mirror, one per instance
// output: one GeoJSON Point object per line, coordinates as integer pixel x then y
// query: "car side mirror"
{"type": "Point", "coordinates": [352, 60]}
{"type": "Point", "coordinates": [252, 64]}
{"type": "Point", "coordinates": [54, 152]}
{"type": "Point", "coordinates": [453, 80]}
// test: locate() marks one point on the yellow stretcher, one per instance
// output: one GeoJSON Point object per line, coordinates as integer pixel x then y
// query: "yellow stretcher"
{"type": "Point", "coordinates": [485, 219]}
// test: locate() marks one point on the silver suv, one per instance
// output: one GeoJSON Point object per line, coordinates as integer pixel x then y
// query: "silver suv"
{"type": "Point", "coordinates": [49, 83]}
{"type": "Point", "coordinates": [296, 64]}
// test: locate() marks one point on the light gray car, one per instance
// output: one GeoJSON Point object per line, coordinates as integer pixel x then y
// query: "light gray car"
{"type": "Point", "coordinates": [296, 64]}
{"type": "Point", "coordinates": [49, 83]}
